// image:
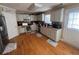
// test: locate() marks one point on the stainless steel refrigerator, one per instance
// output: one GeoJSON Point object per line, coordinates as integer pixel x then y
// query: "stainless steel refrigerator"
{"type": "Point", "coordinates": [3, 34]}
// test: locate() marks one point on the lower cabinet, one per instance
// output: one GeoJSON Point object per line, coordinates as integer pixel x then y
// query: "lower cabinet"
{"type": "Point", "coordinates": [52, 33]}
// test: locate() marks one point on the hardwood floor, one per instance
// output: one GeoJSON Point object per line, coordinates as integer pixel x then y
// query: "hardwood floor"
{"type": "Point", "coordinates": [30, 44]}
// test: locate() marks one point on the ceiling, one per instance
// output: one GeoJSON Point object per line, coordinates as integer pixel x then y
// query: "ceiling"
{"type": "Point", "coordinates": [30, 7]}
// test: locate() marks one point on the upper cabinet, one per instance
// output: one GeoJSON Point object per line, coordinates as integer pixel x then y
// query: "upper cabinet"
{"type": "Point", "coordinates": [33, 17]}
{"type": "Point", "coordinates": [22, 17]}
{"type": "Point", "coordinates": [39, 17]}
{"type": "Point", "coordinates": [36, 17]}
{"type": "Point", "coordinates": [57, 15]}
{"type": "Point", "coordinates": [1, 10]}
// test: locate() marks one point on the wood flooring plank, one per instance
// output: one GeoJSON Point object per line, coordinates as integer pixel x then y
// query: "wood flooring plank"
{"type": "Point", "coordinates": [30, 44]}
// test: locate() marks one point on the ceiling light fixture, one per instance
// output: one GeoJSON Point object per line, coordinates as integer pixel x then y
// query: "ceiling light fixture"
{"type": "Point", "coordinates": [38, 5]}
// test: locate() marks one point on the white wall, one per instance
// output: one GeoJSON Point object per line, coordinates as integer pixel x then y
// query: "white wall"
{"type": "Point", "coordinates": [70, 36]}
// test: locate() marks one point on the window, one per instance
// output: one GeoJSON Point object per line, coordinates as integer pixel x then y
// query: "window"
{"type": "Point", "coordinates": [47, 19]}
{"type": "Point", "coordinates": [73, 21]}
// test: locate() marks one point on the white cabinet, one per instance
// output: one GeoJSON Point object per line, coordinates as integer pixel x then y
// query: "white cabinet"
{"type": "Point", "coordinates": [57, 15]}
{"type": "Point", "coordinates": [33, 17]}
{"type": "Point", "coordinates": [55, 34]}
{"type": "Point", "coordinates": [21, 29]}
{"type": "Point", "coordinates": [0, 10]}
{"type": "Point", "coordinates": [21, 17]}
{"type": "Point", "coordinates": [39, 17]}
{"type": "Point", "coordinates": [52, 16]}
{"type": "Point", "coordinates": [52, 33]}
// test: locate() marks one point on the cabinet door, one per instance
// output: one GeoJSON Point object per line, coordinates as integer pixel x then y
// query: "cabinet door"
{"type": "Point", "coordinates": [52, 34]}
{"type": "Point", "coordinates": [1, 10]}
{"type": "Point", "coordinates": [53, 16]}
{"type": "Point", "coordinates": [43, 30]}
{"type": "Point", "coordinates": [59, 15]}
{"type": "Point", "coordinates": [58, 35]}
{"type": "Point", "coordinates": [33, 18]}
{"type": "Point", "coordinates": [11, 23]}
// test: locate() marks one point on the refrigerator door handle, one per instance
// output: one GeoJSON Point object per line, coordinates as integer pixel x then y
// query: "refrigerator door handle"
{"type": "Point", "coordinates": [1, 28]}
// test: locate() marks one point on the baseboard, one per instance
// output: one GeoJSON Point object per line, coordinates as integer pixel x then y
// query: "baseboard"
{"type": "Point", "coordinates": [69, 44]}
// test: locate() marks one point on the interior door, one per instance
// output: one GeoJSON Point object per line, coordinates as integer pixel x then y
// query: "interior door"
{"type": "Point", "coordinates": [70, 36]}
